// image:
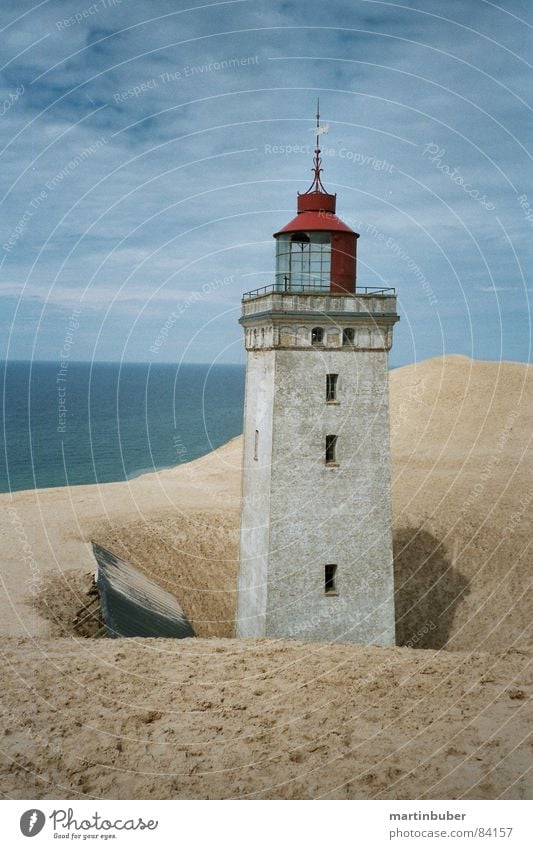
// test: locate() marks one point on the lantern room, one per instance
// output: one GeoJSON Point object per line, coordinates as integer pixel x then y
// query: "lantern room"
{"type": "Point", "coordinates": [316, 250]}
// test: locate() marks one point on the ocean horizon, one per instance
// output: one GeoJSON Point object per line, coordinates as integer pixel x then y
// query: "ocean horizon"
{"type": "Point", "coordinates": [120, 420]}
{"type": "Point", "coordinates": [99, 422]}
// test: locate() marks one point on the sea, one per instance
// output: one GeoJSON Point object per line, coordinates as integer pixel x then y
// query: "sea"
{"type": "Point", "coordinates": [98, 422]}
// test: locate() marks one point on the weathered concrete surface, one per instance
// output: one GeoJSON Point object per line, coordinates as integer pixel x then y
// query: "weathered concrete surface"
{"type": "Point", "coordinates": [256, 486]}
{"type": "Point", "coordinates": [298, 513]}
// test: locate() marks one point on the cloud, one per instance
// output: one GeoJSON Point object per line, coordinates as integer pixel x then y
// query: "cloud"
{"type": "Point", "coordinates": [150, 131]}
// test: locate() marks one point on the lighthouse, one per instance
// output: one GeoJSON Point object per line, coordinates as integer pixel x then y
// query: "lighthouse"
{"type": "Point", "coordinates": [316, 517]}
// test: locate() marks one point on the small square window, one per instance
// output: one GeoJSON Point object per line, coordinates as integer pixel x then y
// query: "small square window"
{"type": "Point", "coordinates": [331, 450]}
{"type": "Point", "coordinates": [331, 387]}
{"type": "Point", "coordinates": [330, 575]}
{"type": "Point", "coordinates": [348, 336]}
{"type": "Point", "coordinates": [317, 336]}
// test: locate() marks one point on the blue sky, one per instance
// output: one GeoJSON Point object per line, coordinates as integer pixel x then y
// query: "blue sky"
{"type": "Point", "coordinates": [150, 150]}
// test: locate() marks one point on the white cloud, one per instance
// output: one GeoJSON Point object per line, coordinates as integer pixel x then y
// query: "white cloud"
{"type": "Point", "coordinates": [120, 218]}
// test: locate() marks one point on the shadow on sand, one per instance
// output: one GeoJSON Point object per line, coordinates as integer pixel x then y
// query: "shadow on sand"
{"type": "Point", "coordinates": [428, 589]}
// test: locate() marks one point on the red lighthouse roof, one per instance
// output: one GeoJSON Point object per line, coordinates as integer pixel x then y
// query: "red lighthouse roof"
{"type": "Point", "coordinates": [316, 207]}
{"type": "Point", "coordinates": [315, 220]}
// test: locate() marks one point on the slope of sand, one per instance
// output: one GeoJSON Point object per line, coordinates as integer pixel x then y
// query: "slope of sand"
{"type": "Point", "coordinates": [179, 524]}
{"type": "Point", "coordinates": [309, 718]}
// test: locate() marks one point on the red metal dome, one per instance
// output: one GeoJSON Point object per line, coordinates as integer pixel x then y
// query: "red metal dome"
{"type": "Point", "coordinates": [315, 220]}
{"type": "Point", "coordinates": [316, 213]}
{"type": "Point", "coordinates": [316, 207]}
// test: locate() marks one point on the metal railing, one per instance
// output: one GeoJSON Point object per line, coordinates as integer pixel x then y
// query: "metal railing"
{"type": "Point", "coordinates": [310, 288]}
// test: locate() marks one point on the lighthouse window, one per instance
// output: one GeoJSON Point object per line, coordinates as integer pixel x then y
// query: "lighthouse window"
{"type": "Point", "coordinates": [256, 445]}
{"type": "Point", "coordinates": [317, 336]}
{"type": "Point", "coordinates": [331, 387]}
{"type": "Point", "coordinates": [330, 573]}
{"type": "Point", "coordinates": [348, 336]}
{"type": "Point", "coordinates": [303, 261]}
{"type": "Point", "coordinates": [331, 450]}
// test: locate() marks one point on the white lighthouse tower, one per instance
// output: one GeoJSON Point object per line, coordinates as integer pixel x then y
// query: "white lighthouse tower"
{"type": "Point", "coordinates": [316, 521]}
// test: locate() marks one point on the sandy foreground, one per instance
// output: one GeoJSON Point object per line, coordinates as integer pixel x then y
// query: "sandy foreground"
{"type": "Point", "coordinates": [446, 715]}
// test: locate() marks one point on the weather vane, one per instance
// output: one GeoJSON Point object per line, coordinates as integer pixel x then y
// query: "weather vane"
{"type": "Point", "coordinates": [316, 185]}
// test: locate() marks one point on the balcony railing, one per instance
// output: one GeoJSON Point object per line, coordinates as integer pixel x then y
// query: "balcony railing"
{"type": "Point", "coordinates": [310, 288]}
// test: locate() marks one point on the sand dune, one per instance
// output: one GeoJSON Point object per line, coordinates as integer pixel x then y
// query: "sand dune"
{"type": "Point", "coordinates": [462, 485]}
{"type": "Point", "coordinates": [327, 720]}
{"type": "Point", "coordinates": [226, 719]}
{"type": "Point", "coordinates": [461, 472]}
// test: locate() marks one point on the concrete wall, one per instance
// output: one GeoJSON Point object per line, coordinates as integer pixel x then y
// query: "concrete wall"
{"type": "Point", "coordinates": [256, 482]}
{"type": "Point", "coordinates": [321, 514]}
{"type": "Point", "coordinates": [300, 514]}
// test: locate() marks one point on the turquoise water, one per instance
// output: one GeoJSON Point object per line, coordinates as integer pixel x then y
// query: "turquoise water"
{"type": "Point", "coordinates": [103, 422]}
